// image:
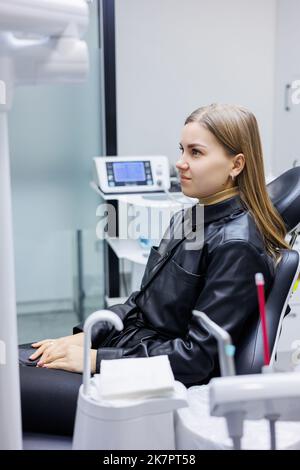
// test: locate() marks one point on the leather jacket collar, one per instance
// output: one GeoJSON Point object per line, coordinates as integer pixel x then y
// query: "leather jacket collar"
{"type": "Point", "coordinates": [216, 211]}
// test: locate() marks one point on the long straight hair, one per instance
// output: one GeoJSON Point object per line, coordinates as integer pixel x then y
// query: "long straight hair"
{"type": "Point", "coordinates": [236, 129]}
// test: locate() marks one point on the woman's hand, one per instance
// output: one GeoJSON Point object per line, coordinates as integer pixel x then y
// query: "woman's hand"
{"type": "Point", "coordinates": [67, 357]}
{"type": "Point", "coordinates": [43, 346]}
{"type": "Point", "coordinates": [63, 353]}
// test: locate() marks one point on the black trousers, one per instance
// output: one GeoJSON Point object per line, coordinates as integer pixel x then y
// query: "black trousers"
{"type": "Point", "coordinates": [48, 397]}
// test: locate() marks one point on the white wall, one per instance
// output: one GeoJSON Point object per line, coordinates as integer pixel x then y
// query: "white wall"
{"type": "Point", "coordinates": [173, 56]}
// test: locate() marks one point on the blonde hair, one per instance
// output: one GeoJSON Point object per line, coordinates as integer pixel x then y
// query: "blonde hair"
{"type": "Point", "coordinates": [236, 129]}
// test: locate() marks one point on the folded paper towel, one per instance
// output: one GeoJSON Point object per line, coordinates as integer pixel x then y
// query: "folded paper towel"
{"type": "Point", "coordinates": [139, 377]}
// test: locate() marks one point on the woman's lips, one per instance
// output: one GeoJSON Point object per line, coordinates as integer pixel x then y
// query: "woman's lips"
{"type": "Point", "coordinates": [184, 178]}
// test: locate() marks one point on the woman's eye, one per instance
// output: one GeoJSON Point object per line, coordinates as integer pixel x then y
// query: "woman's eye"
{"type": "Point", "coordinates": [195, 152]}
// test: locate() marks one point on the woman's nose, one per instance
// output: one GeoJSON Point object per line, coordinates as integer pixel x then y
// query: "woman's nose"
{"type": "Point", "coordinates": [182, 165]}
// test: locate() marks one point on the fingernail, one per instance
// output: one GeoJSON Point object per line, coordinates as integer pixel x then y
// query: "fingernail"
{"type": "Point", "coordinates": [40, 363]}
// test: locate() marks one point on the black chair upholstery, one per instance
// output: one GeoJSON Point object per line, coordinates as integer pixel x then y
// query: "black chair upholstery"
{"type": "Point", "coordinates": [284, 192]}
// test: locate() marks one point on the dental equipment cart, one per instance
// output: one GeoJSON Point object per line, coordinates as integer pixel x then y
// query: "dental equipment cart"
{"type": "Point", "coordinates": [140, 423]}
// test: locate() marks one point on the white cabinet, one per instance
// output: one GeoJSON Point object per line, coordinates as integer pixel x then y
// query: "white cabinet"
{"type": "Point", "coordinates": [287, 114]}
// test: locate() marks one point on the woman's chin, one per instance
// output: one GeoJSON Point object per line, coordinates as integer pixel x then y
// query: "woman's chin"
{"type": "Point", "coordinates": [187, 192]}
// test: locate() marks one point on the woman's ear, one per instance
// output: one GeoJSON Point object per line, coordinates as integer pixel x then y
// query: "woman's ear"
{"type": "Point", "coordinates": [238, 164]}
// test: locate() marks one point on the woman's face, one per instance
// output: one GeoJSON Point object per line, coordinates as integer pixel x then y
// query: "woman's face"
{"type": "Point", "coordinates": [204, 166]}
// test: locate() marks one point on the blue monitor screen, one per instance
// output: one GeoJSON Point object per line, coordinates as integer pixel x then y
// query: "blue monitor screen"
{"type": "Point", "coordinates": [127, 172]}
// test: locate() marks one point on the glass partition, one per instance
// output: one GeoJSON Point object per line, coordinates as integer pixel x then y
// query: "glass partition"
{"type": "Point", "coordinates": [54, 133]}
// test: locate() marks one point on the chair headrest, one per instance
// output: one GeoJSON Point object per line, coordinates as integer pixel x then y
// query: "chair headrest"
{"type": "Point", "coordinates": [284, 192]}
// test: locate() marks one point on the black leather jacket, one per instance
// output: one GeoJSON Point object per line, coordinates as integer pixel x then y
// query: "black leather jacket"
{"type": "Point", "coordinates": [217, 278]}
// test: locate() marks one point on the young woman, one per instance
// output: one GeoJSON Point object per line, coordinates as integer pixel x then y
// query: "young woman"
{"type": "Point", "coordinates": [220, 164]}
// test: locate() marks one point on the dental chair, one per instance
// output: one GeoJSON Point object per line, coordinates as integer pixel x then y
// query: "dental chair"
{"type": "Point", "coordinates": [284, 192]}
{"type": "Point", "coordinates": [195, 428]}
{"type": "Point", "coordinates": [285, 195]}
{"type": "Point", "coordinates": [249, 352]}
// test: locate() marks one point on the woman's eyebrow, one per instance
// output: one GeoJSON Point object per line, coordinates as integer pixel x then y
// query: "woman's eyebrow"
{"type": "Point", "coordinates": [196, 144]}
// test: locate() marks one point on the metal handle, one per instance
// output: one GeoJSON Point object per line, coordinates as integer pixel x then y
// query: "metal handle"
{"type": "Point", "coordinates": [225, 346]}
{"type": "Point", "coordinates": [100, 315]}
{"type": "Point", "coordinates": [286, 96]}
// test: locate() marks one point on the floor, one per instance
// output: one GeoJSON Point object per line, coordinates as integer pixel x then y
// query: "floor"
{"type": "Point", "coordinates": [32, 441]}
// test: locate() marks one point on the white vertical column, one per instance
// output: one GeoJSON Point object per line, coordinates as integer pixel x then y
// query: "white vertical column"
{"type": "Point", "coordinates": [10, 409]}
